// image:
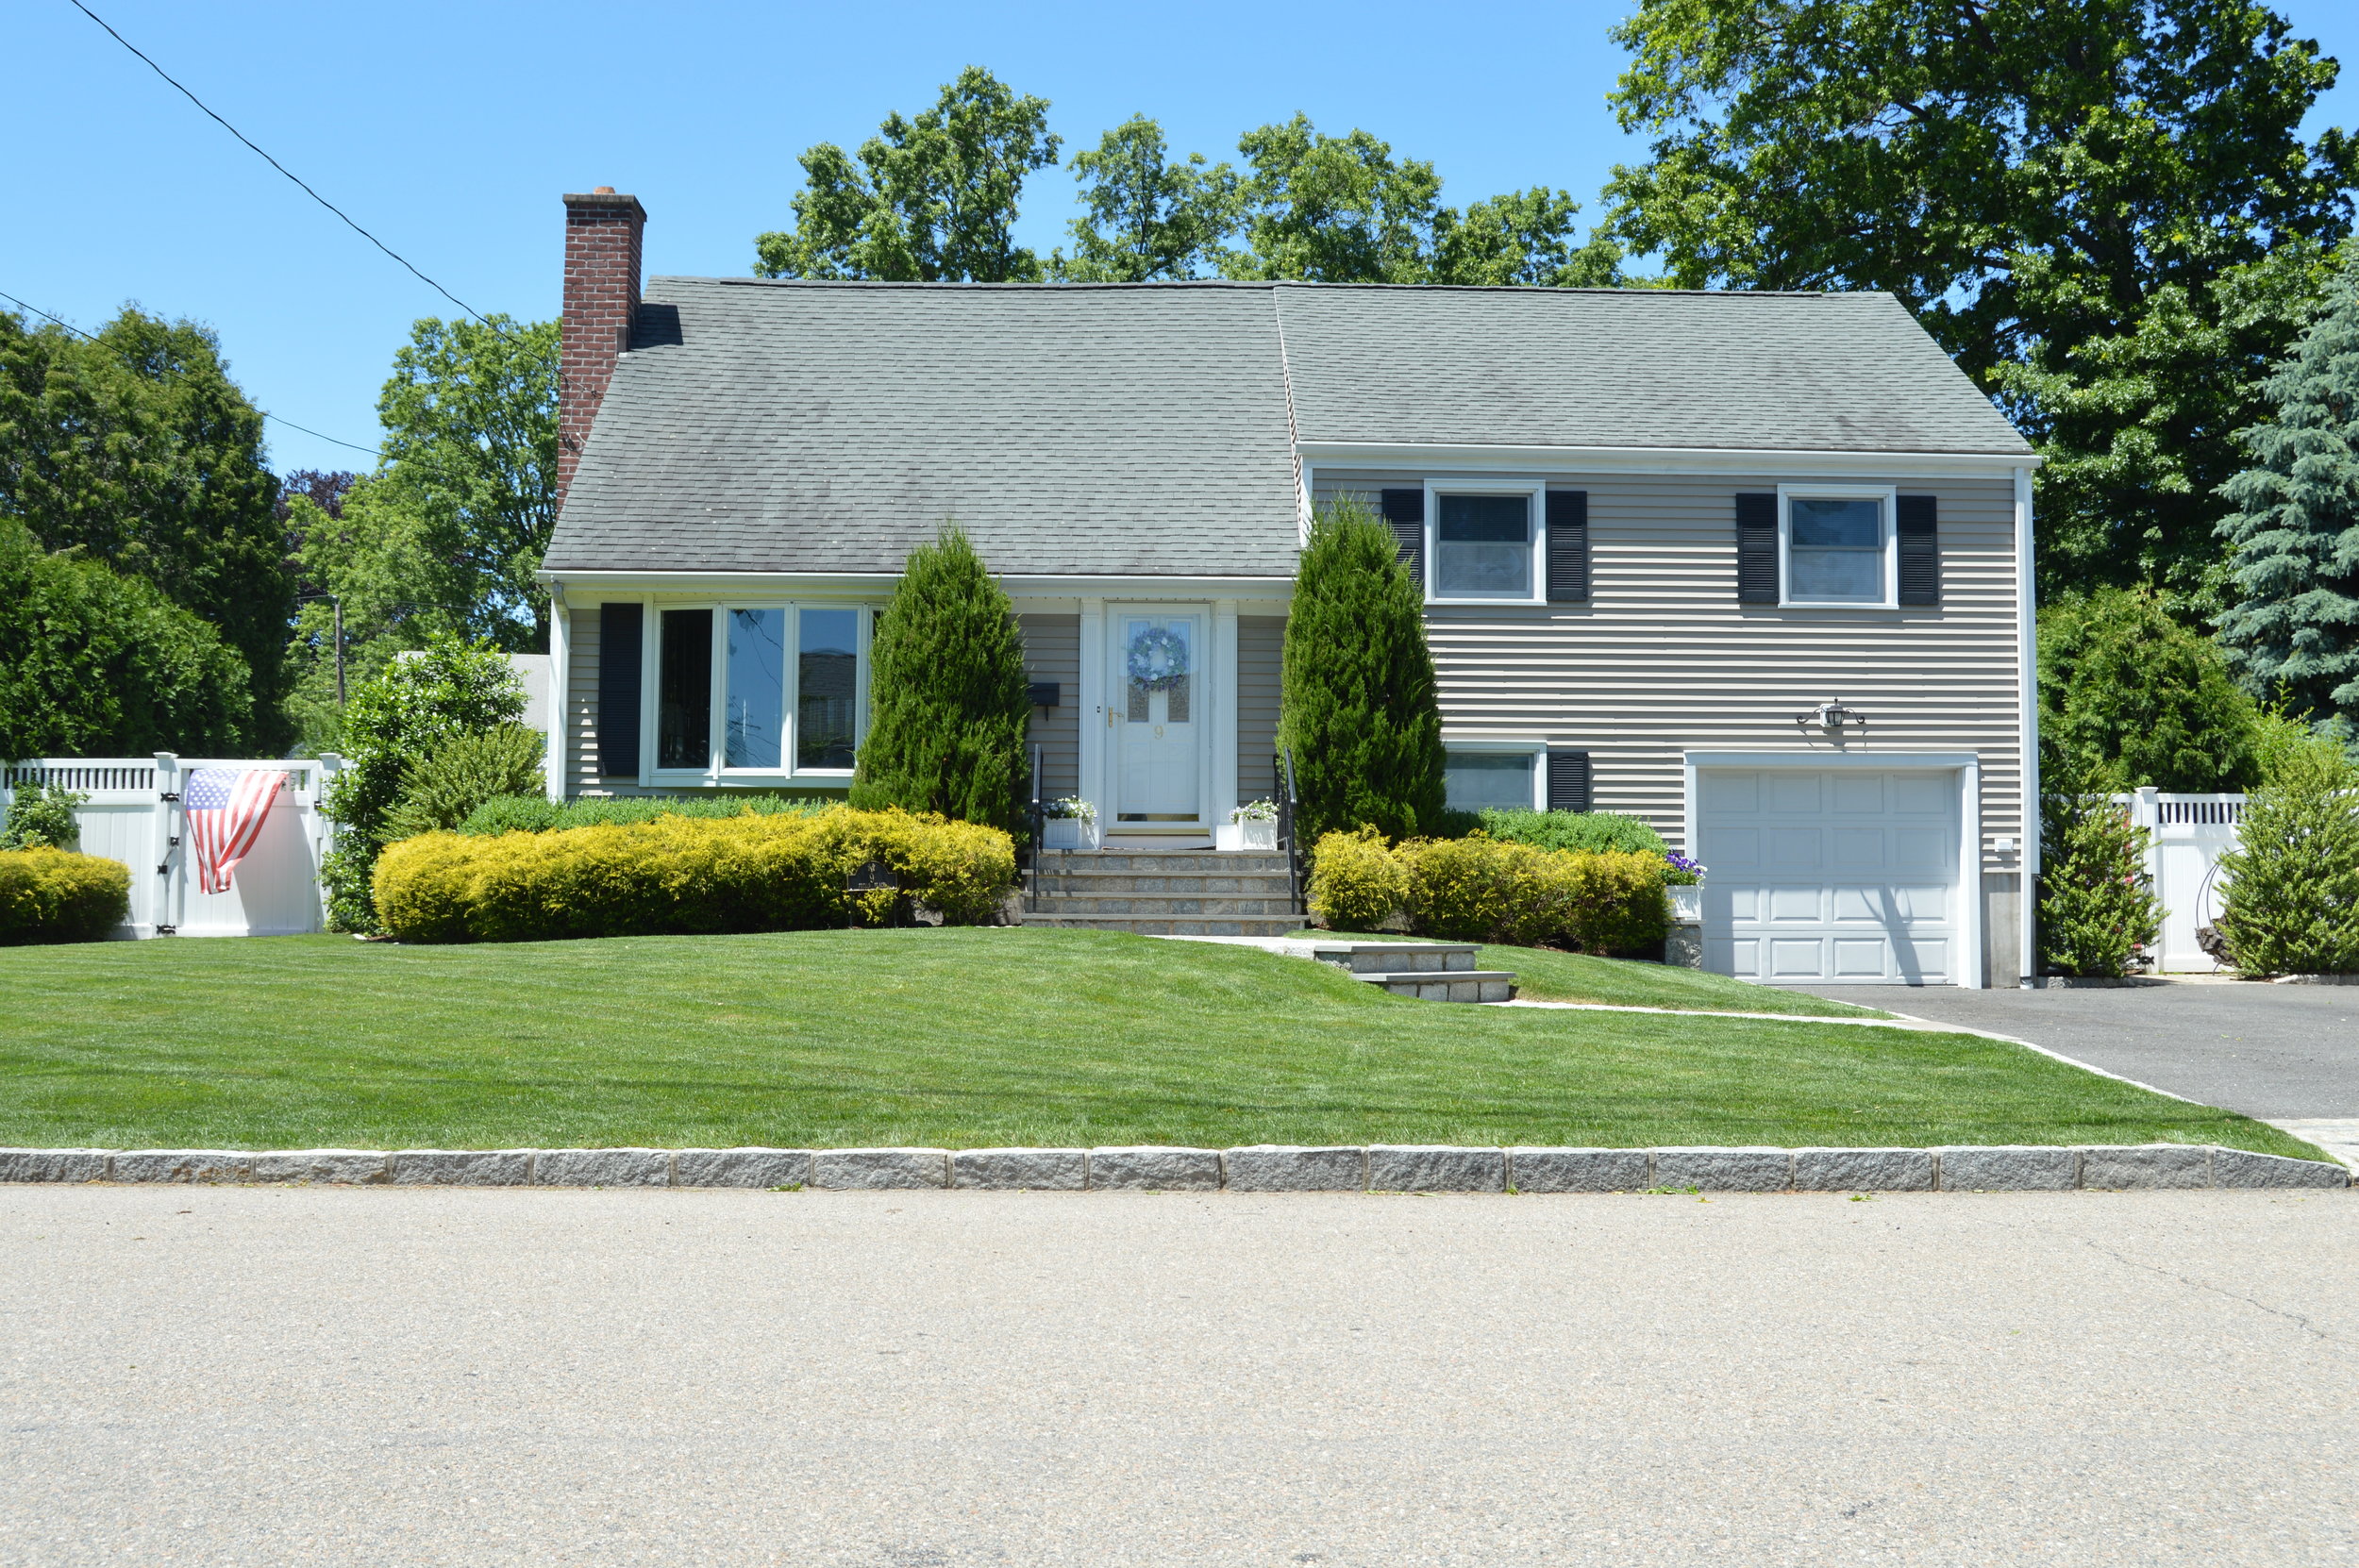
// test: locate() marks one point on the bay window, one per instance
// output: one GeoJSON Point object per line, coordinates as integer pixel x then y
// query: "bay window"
{"type": "Point", "coordinates": [786, 681]}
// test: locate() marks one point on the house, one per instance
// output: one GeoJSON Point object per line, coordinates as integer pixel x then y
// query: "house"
{"type": "Point", "coordinates": [1753, 566]}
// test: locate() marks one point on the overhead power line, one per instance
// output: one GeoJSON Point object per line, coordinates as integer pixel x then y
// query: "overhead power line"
{"type": "Point", "coordinates": [289, 424]}
{"type": "Point", "coordinates": [290, 173]}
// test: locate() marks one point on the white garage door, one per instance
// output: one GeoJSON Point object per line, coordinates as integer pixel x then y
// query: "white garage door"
{"type": "Point", "coordinates": [1833, 875]}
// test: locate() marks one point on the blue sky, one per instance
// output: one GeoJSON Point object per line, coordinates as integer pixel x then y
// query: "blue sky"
{"type": "Point", "coordinates": [450, 130]}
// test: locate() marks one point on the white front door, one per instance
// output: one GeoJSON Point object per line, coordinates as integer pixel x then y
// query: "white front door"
{"type": "Point", "coordinates": [1160, 720]}
{"type": "Point", "coordinates": [1834, 875]}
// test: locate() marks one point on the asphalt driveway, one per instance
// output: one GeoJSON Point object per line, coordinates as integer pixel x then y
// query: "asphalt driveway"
{"type": "Point", "coordinates": [2278, 1053]}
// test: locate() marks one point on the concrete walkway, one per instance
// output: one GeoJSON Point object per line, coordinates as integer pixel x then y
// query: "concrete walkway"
{"type": "Point", "coordinates": [329, 1377]}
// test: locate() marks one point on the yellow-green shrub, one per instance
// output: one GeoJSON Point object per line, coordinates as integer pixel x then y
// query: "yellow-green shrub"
{"type": "Point", "coordinates": [681, 874]}
{"type": "Point", "coordinates": [54, 895]}
{"type": "Point", "coordinates": [1356, 883]}
{"type": "Point", "coordinates": [1479, 888]}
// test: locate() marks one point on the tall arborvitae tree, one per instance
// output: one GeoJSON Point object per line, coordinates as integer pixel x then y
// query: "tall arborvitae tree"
{"type": "Point", "coordinates": [2293, 630]}
{"type": "Point", "coordinates": [2097, 913]}
{"type": "Point", "coordinates": [948, 701]}
{"type": "Point", "coordinates": [2290, 888]}
{"type": "Point", "coordinates": [1360, 709]}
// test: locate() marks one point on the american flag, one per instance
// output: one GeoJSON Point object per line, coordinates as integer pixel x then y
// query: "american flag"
{"type": "Point", "coordinates": [226, 807]}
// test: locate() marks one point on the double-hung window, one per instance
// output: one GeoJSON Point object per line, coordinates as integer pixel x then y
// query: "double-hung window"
{"type": "Point", "coordinates": [1485, 542]}
{"type": "Point", "coordinates": [1837, 546]}
{"type": "Point", "coordinates": [760, 692]}
{"type": "Point", "coordinates": [1487, 777]}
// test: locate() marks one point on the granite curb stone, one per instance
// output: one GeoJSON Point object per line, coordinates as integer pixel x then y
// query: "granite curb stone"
{"type": "Point", "coordinates": [1732, 1169]}
{"type": "Point", "coordinates": [1537, 1168]}
{"type": "Point", "coordinates": [1863, 1170]}
{"type": "Point", "coordinates": [1257, 1168]}
{"type": "Point", "coordinates": [2147, 1166]}
{"type": "Point", "coordinates": [1158, 1167]}
{"type": "Point", "coordinates": [1295, 1168]}
{"type": "Point", "coordinates": [2243, 1167]}
{"type": "Point", "coordinates": [1435, 1168]}
{"type": "Point", "coordinates": [602, 1168]}
{"type": "Point", "coordinates": [2008, 1168]}
{"type": "Point", "coordinates": [1021, 1169]}
{"type": "Point", "coordinates": [744, 1167]}
{"type": "Point", "coordinates": [53, 1164]}
{"type": "Point", "coordinates": [461, 1167]}
{"type": "Point", "coordinates": [878, 1170]}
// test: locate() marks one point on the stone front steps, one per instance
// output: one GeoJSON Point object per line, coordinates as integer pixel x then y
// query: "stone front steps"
{"type": "Point", "coordinates": [1165, 893]}
{"type": "Point", "coordinates": [1432, 971]}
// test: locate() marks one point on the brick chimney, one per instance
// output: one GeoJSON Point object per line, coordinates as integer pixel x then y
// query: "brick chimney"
{"type": "Point", "coordinates": [602, 232]}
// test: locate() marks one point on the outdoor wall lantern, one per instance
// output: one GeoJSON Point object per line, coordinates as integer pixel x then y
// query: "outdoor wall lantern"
{"type": "Point", "coordinates": [1833, 717]}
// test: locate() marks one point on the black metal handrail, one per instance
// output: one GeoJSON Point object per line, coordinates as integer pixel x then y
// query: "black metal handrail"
{"type": "Point", "coordinates": [1282, 767]}
{"type": "Point", "coordinates": [1036, 820]}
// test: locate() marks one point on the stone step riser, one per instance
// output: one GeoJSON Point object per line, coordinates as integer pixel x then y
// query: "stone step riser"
{"type": "Point", "coordinates": [1171, 887]}
{"type": "Point", "coordinates": [1213, 925]}
{"type": "Point", "coordinates": [1163, 909]}
{"type": "Point", "coordinates": [1206, 861]}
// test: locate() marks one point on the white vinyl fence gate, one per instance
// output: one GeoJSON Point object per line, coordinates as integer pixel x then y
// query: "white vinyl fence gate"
{"type": "Point", "coordinates": [2187, 835]}
{"type": "Point", "coordinates": [134, 815]}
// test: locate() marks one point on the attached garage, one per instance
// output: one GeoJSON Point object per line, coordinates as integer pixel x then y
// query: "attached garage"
{"type": "Point", "coordinates": [1840, 871]}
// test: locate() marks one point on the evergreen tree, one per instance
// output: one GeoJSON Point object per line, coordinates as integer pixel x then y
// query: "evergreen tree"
{"type": "Point", "coordinates": [2293, 630]}
{"type": "Point", "coordinates": [948, 701]}
{"type": "Point", "coordinates": [2096, 907]}
{"type": "Point", "coordinates": [2291, 894]}
{"type": "Point", "coordinates": [2124, 686]}
{"type": "Point", "coordinates": [1359, 708]}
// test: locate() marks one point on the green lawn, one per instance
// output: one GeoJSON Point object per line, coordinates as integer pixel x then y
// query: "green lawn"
{"type": "Point", "coordinates": [1546, 974]}
{"type": "Point", "coordinates": [961, 1038]}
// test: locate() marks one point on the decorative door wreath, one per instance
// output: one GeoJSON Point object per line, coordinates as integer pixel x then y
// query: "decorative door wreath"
{"type": "Point", "coordinates": [1159, 658]}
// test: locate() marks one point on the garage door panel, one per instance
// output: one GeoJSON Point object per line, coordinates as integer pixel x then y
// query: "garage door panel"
{"type": "Point", "coordinates": [1859, 848]}
{"type": "Point", "coordinates": [1860, 957]}
{"type": "Point", "coordinates": [1859, 791]}
{"type": "Point", "coordinates": [1725, 790]}
{"type": "Point", "coordinates": [1830, 873]}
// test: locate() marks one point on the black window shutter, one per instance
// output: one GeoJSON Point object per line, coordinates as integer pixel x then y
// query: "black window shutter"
{"type": "Point", "coordinates": [1405, 510]}
{"type": "Point", "coordinates": [1915, 520]}
{"type": "Point", "coordinates": [1568, 781]}
{"type": "Point", "coordinates": [1568, 546]}
{"type": "Point", "coordinates": [620, 628]}
{"type": "Point", "coordinates": [1757, 548]}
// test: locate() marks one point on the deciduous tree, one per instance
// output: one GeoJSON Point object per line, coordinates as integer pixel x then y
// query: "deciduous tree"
{"type": "Point", "coordinates": [932, 199]}
{"type": "Point", "coordinates": [2106, 209]}
{"type": "Point", "coordinates": [1146, 215]}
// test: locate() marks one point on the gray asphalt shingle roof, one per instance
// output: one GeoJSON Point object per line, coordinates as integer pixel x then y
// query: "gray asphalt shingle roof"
{"type": "Point", "coordinates": [1145, 431]}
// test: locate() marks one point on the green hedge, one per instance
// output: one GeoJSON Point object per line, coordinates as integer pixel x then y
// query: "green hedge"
{"type": "Point", "coordinates": [540, 815]}
{"type": "Point", "coordinates": [54, 895]}
{"type": "Point", "coordinates": [681, 874]}
{"type": "Point", "coordinates": [1480, 888]}
{"type": "Point", "coordinates": [1589, 832]}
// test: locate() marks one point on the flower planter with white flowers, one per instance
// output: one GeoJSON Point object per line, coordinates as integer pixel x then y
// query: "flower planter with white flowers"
{"type": "Point", "coordinates": [1069, 823]}
{"type": "Point", "coordinates": [1251, 826]}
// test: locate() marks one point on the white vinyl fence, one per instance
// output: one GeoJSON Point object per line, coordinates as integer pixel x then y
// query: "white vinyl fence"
{"type": "Point", "coordinates": [134, 815]}
{"type": "Point", "coordinates": [2187, 835]}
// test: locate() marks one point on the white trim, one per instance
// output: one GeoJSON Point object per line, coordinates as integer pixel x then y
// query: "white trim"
{"type": "Point", "coordinates": [1887, 500]}
{"type": "Point", "coordinates": [872, 586]}
{"type": "Point", "coordinates": [1305, 513]}
{"type": "Point", "coordinates": [1534, 493]}
{"type": "Point", "coordinates": [1967, 975]}
{"type": "Point", "coordinates": [2026, 587]}
{"type": "Point", "coordinates": [560, 693]}
{"type": "Point", "coordinates": [1224, 687]}
{"type": "Point", "coordinates": [1208, 728]}
{"type": "Point", "coordinates": [1094, 718]}
{"type": "Point", "coordinates": [1669, 459]}
{"type": "Point", "coordinates": [1536, 750]}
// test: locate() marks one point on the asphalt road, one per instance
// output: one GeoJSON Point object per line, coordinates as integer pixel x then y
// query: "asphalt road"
{"type": "Point", "coordinates": [933, 1380]}
{"type": "Point", "coordinates": [2273, 1052]}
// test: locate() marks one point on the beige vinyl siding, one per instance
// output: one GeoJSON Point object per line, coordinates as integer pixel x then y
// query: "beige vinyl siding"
{"type": "Point", "coordinates": [581, 700]}
{"type": "Point", "coordinates": [1260, 647]}
{"type": "Point", "coordinates": [1052, 651]}
{"type": "Point", "coordinates": [1662, 659]}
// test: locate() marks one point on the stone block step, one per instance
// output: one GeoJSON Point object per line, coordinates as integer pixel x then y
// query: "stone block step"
{"type": "Point", "coordinates": [1168, 887]}
{"type": "Point", "coordinates": [1174, 926]}
{"type": "Point", "coordinates": [1162, 862]}
{"type": "Point", "coordinates": [1367, 958]}
{"type": "Point", "coordinates": [1158, 906]}
{"type": "Point", "coordinates": [1448, 985]}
